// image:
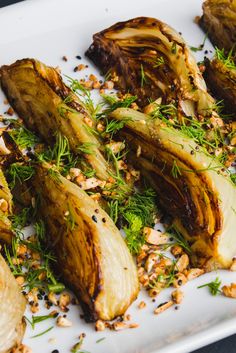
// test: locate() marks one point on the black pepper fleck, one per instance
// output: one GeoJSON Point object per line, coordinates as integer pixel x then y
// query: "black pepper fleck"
{"type": "Point", "coordinates": [97, 210]}
{"type": "Point", "coordinates": [94, 218]}
{"type": "Point", "coordinates": [78, 57]}
{"type": "Point", "coordinates": [180, 282]}
{"type": "Point", "coordinates": [104, 220]}
{"type": "Point", "coordinates": [55, 351]}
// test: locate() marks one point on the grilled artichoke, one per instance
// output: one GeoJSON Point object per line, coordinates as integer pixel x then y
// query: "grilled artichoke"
{"type": "Point", "coordinates": [190, 184]}
{"type": "Point", "coordinates": [220, 76]}
{"type": "Point", "coordinates": [149, 59]}
{"type": "Point", "coordinates": [12, 307]}
{"type": "Point", "coordinates": [47, 105]}
{"type": "Point", "coordinates": [219, 21]}
{"type": "Point", "coordinates": [91, 254]}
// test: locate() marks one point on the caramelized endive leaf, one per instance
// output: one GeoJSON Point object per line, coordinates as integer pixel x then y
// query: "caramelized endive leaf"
{"type": "Point", "coordinates": [92, 257]}
{"type": "Point", "coordinates": [12, 307]}
{"type": "Point", "coordinates": [190, 185]}
{"type": "Point", "coordinates": [149, 59]}
{"type": "Point", "coordinates": [219, 21]}
{"type": "Point", "coordinates": [222, 81]}
{"type": "Point", "coordinates": [39, 96]}
{"type": "Point", "coordinates": [5, 210]}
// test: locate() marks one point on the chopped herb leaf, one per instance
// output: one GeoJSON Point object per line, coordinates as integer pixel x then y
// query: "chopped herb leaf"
{"type": "Point", "coordinates": [213, 286]}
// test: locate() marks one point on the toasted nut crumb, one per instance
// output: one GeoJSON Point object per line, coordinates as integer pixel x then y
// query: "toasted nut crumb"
{"type": "Point", "coordinates": [93, 78]}
{"type": "Point", "coordinates": [74, 172]}
{"type": "Point", "coordinates": [117, 326]}
{"type": "Point", "coordinates": [127, 317]}
{"type": "Point", "coordinates": [176, 250]}
{"type": "Point", "coordinates": [63, 322]}
{"type": "Point", "coordinates": [177, 296]}
{"type": "Point", "coordinates": [64, 300]}
{"type": "Point", "coordinates": [233, 266]}
{"type": "Point", "coordinates": [108, 85]}
{"type": "Point", "coordinates": [133, 325]}
{"type": "Point", "coordinates": [163, 307]}
{"type": "Point", "coordinates": [5, 101]}
{"type": "Point", "coordinates": [153, 292]}
{"type": "Point", "coordinates": [96, 85]}
{"type": "Point", "coordinates": [100, 127]}
{"type": "Point", "coordinates": [180, 279]}
{"type": "Point", "coordinates": [10, 111]}
{"type": "Point", "coordinates": [230, 291]}
{"type": "Point", "coordinates": [115, 147]}
{"type": "Point", "coordinates": [89, 183]}
{"type": "Point", "coordinates": [142, 305]}
{"type": "Point", "coordinates": [100, 325]}
{"type": "Point", "coordinates": [34, 308]}
{"type": "Point", "coordinates": [52, 298]}
{"type": "Point", "coordinates": [64, 58]}
{"type": "Point", "coordinates": [194, 273]}
{"type": "Point", "coordinates": [182, 263]}
{"type": "Point", "coordinates": [79, 67]}
{"type": "Point", "coordinates": [151, 260]}
{"type": "Point", "coordinates": [155, 237]}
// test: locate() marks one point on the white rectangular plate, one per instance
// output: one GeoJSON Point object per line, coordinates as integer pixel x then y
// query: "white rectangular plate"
{"type": "Point", "coordinates": [47, 30]}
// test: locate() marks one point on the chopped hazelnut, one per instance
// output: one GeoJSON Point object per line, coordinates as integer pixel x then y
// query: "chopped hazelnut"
{"type": "Point", "coordinates": [142, 305]}
{"type": "Point", "coordinates": [64, 300]}
{"type": "Point", "coordinates": [233, 266]}
{"type": "Point", "coordinates": [230, 291]}
{"type": "Point", "coordinates": [155, 237]}
{"type": "Point", "coordinates": [63, 322]}
{"type": "Point", "coordinates": [163, 307]}
{"type": "Point", "coordinates": [117, 326]}
{"type": "Point", "coordinates": [52, 298]}
{"type": "Point", "coordinates": [182, 263]}
{"type": "Point", "coordinates": [177, 296]}
{"type": "Point", "coordinates": [180, 279]}
{"type": "Point", "coordinates": [176, 250]}
{"type": "Point", "coordinates": [194, 273]}
{"type": "Point", "coordinates": [100, 325]}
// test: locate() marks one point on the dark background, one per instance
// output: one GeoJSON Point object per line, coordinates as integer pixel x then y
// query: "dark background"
{"type": "Point", "coordinates": [228, 345]}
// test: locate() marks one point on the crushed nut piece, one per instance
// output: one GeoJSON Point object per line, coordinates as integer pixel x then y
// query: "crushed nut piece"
{"type": "Point", "coordinates": [155, 237]}
{"type": "Point", "coordinates": [52, 298]}
{"type": "Point", "coordinates": [163, 307]}
{"type": "Point", "coordinates": [117, 326]}
{"type": "Point", "coordinates": [194, 273]}
{"type": "Point", "coordinates": [64, 300]}
{"type": "Point", "coordinates": [233, 266]}
{"type": "Point", "coordinates": [177, 296]}
{"type": "Point", "coordinates": [142, 305]}
{"type": "Point", "coordinates": [63, 322]}
{"type": "Point", "coordinates": [180, 279]}
{"type": "Point", "coordinates": [230, 291]}
{"type": "Point", "coordinates": [182, 263]}
{"type": "Point", "coordinates": [176, 250]}
{"type": "Point", "coordinates": [100, 325]}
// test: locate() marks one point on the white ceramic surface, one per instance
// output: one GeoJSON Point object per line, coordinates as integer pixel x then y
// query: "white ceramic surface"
{"type": "Point", "coordinates": [47, 30]}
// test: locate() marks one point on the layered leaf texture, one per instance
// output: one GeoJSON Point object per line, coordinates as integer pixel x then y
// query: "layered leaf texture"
{"type": "Point", "coordinates": [39, 96]}
{"type": "Point", "coordinates": [219, 21]}
{"type": "Point", "coordinates": [12, 307]}
{"type": "Point", "coordinates": [5, 210]}
{"type": "Point", "coordinates": [92, 257]}
{"type": "Point", "coordinates": [190, 185]}
{"type": "Point", "coordinates": [149, 59]}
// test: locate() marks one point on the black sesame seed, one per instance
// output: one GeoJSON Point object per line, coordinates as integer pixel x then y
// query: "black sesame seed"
{"type": "Point", "coordinates": [31, 302]}
{"type": "Point", "coordinates": [162, 304]}
{"type": "Point", "coordinates": [94, 218]}
{"type": "Point", "coordinates": [97, 210]}
{"type": "Point", "coordinates": [64, 315]}
{"type": "Point", "coordinates": [55, 351]}
{"type": "Point", "coordinates": [104, 220]}
{"type": "Point", "coordinates": [192, 152]}
{"type": "Point", "coordinates": [78, 57]}
{"type": "Point", "coordinates": [180, 282]}
{"type": "Point", "coordinates": [176, 308]}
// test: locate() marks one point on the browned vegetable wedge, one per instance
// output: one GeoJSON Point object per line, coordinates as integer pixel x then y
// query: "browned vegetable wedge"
{"type": "Point", "coordinates": [221, 78]}
{"type": "Point", "coordinates": [5, 210]}
{"type": "Point", "coordinates": [219, 21]}
{"type": "Point", "coordinates": [12, 308]}
{"type": "Point", "coordinates": [149, 59]}
{"type": "Point", "coordinates": [190, 184]}
{"type": "Point", "coordinates": [47, 105]}
{"type": "Point", "coordinates": [91, 254]}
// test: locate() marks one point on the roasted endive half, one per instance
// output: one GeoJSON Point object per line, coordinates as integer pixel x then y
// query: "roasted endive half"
{"type": "Point", "coordinates": [12, 308]}
{"type": "Point", "coordinates": [190, 184]}
{"type": "Point", "coordinates": [151, 60]}
{"type": "Point", "coordinates": [92, 256]}
{"type": "Point", "coordinates": [219, 21]}
{"type": "Point", "coordinates": [220, 75]}
{"type": "Point", "coordinates": [39, 96]}
{"type": "Point", "coordinates": [5, 210]}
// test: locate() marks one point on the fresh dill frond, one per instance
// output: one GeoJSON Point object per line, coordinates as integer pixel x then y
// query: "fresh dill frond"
{"type": "Point", "coordinates": [175, 170]}
{"type": "Point", "coordinates": [40, 230]}
{"type": "Point", "coordinates": [89, 173]}
{"type": "Point", "coordinates": [213, 286]}
{"type": "Point", "coordinates": [133, 234]}
{"type": "Point", "coordinates": [23, 137]}
{"type": "Point", "coordinates": [85, 96]}
{"type": "Point", "coordinates": [159, 62]}
{"type": "Point", "coordinates": [114, 102]}
{"type": "Point", "coordinates": [201, 46]}
{"type": "Point", "coordinates": [21, 219]}
{"type": "Point", "coordinates": [113, 206]}
{"type": "Point", "coordinates": [87, 148]}
{"type": "Point", "coordinates": [174, 48]}
{"type": "Point", "coordinates": [42, 333]}
{"type": "Point", "coordinates": [226, 59]}
{"type": "Point", "coordinates": [143, 76]}
{"type": "Point", "coordinates": [178, 238]}
{"type": "Point", "coordinates": [54, 174]}
{"type": "Point", "coordinates": [19, 172]}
